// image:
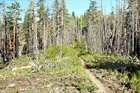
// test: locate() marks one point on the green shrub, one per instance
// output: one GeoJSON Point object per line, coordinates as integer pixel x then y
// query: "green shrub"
{"type": "Point", "coordinates": [51, 52]}
{"type": "Point", "coordinates": [3, 87]}
{"type": "Point", "coordinates": [32, 56]}
{"type": "Point", "coordinates": [67, 51]}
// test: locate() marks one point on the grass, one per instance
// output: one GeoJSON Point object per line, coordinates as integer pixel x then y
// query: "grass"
{"type": "Point", "coordinates": [125, 70]}
{"type": "Point", "coordinates": [46, 83]}
{"type": "Point", "coordinates": [23, 64]}
{"type": "Point", "coordinates": [3, 87]}
{"type": "Point", "coordinates": [58, 65]}
{"type": "Point", "coordinates": [16, 90]}
{"type": "Point", "coordinates": [2, 65]}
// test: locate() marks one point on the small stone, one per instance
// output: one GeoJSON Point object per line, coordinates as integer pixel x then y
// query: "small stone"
{"type": "Point", "coordinates": [11, 85]}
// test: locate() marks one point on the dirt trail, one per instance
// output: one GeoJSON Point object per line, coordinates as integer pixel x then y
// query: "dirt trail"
{"type": "Point", "coordinates": [101, 87]}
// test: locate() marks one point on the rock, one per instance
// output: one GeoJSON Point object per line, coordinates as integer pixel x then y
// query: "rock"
{"type": "Point", "coordinates": [49, 85]}
{"type": "Point", "coordinates": [11, 85]}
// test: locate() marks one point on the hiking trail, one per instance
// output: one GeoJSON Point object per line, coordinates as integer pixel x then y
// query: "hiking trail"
{"type": "Point", "coordinates": [97, 82]}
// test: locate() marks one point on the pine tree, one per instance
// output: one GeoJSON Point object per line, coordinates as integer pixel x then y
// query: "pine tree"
{"type": "Point", "coordinates": [64, 21]}
{"type": "Point", "coordinates": [42, 18]}
{"type": "Point", "coordinates": [3, 35]}
{"type": "Point", "coordinates": [55, 9]}
{"type": "Point", "coordinates": [47, 36]}
{"type": "Point", "coordinates": [12, 17]}
{"type": "Point", "coordinates": [91, 25]}
{"type": "Point", "coordinates": [26, 30]}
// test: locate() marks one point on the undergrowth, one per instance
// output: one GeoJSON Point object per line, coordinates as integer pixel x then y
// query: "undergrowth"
{"type": "Point", "coordinates": [59, 64]}
{"type": "Point", "coordinates": [125, 69]}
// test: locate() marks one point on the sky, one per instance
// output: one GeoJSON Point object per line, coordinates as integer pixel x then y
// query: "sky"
{"type": "Point", "coordinates": [78, 6]}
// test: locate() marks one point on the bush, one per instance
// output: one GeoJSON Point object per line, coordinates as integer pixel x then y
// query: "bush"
{"type": "Point", "coordinates": [51, 52]}
{"type": "Point", "coordinates": [67, 51]}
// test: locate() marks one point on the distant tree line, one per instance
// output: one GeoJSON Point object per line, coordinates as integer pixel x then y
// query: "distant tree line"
{"type": "Point", "coordinates": [118, 32]}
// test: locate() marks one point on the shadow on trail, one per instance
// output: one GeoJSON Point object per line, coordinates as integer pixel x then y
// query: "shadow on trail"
{"type": "Point", "coordinates": [130, 68]}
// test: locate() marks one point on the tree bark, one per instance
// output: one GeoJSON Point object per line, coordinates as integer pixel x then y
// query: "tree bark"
{"type": "Point", "coordinates": [4, 34]}
{"type": "Point", "coordinates": [47, 28]}
{"type": "Point", "coordinates": [44, 35]}
{"type": "Point", "coordinates": [11, 56]}
{"type": "Point", "coordinates": [14, 33]}
{"type": "Point", "coordinates": [53, 29]}
{"type": "Point", "coordinates": [32, 27]}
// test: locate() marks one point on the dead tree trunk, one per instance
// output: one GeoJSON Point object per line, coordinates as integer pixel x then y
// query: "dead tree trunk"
{"type": "Point", "coordinates": [136, 25]}
{"type": "Point", "coordinates": [47, 28]}
{"type": "Point", "coordinates": [11, 55]}
{"type": "Point", "coordinates": [34, 33]}
{"type": "Point", "coordinates": [32, 27]}
{"type": "Point", "coordinates": [133, 26]}
{"type": "Point", "coordinates": [3, 39]}
{"type": "Point", "coordinates": [44, 34]}
{"type": "Point", "coordinates": [41, 34]}
{"type": "Point", "coordinates": [27, 41]}
{"type": "Point", "coordinates": [14, 33]}
{"type": "Point", "coordinates": [53, 29]}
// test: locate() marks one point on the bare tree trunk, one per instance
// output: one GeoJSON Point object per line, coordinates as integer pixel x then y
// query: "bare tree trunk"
{"type": "Point", "coordinates": [41, 35]}
{"type": "Point", "coordinates": [30, 40]}
{"type": "Point", "coordinates": [124, 31]}
{"type": "Point", "coordinates": [44, 35]}
{"type": "Point", "coordinates": [35, 41]}
{"type": "Point", "coordinates": [124, 41]}
{"type": "Point", "coordinates": [63, 28]}
{"type": "Point", "coordinates": [11, 56]}
{"type": "Point", "coordinates": [16, 45]}
{"type": "Point", "coordinates": [118, 28]}
{"type": "Point", "coordinates": [47, 28]}
{"type": "Point", "coordinates": [102, 27]}
{"type": "Point", "coordinates": [27, 41]}
{"type": "Point", "coordinates": [133, 26]}
{"type": "Point", "coordinates": [14, 33]}
{"type": "Point", "coordinates": [34, 34]}
{"type": "Point", "coordinates": [3, 39]}
{"type": "Point", "coordinates": [53, 30]}
{"type": "Point", "coordinates": [32, 27]}
{"type": "Point", "coordinates": [136, 25]}
{"type": "Point", "coordinates": [114, 29]}
{"type": "Point", "coordinates": [58, 29]}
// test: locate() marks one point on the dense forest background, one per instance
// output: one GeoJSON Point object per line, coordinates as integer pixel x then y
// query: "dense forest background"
{"type": "Point", "coordinates": [118, 32]}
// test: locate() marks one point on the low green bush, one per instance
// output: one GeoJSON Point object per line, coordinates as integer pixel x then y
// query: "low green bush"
{"type": "Point", "coordinates": [51, 52]}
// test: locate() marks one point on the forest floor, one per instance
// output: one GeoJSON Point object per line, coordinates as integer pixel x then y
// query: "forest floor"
{"type": "Point", "coordinates": [51, 73]}
{"type": "Point", "coordinates": [115, 73]}
{"type": "Point", "coordinates": [67, 70]}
